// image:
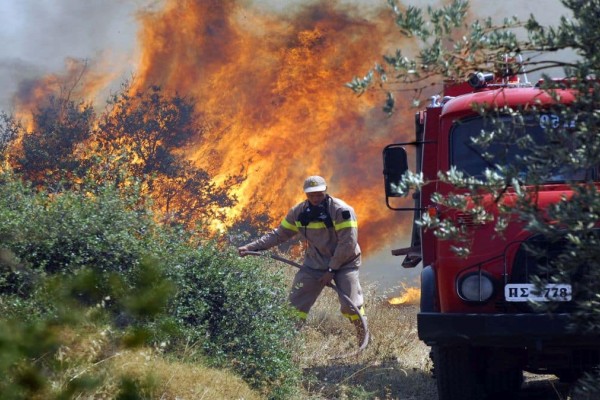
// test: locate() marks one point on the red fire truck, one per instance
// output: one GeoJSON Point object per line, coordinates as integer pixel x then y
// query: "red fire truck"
{"type": "Point", "coordinates": [477, 311]}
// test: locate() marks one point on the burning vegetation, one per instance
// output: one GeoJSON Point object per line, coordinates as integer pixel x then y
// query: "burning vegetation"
{"type": "Point", "coordinates": [230, 108]}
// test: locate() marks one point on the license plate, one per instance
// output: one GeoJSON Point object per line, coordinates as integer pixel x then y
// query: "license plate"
{"type": "Point", "coordinates": [529, 292]}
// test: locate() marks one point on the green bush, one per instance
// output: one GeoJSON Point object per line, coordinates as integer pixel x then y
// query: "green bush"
{"type": "Point", "coordinates": [62, 233]}
{"type": "Point", "coordinates": [32, 348]}
{"type": "Point", "coordinates": [157, 282]}
{"type": "Point", "coordinates": [238, 310]}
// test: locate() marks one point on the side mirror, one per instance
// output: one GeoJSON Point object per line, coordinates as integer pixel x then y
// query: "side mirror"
{"type": "Point", "coordinates": [395, 164]}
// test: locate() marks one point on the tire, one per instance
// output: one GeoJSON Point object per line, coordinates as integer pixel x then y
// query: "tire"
{"type": "Point", "coordinates": [568, 375]}
{"type": "Point", "coordinates": [455, 373]}
{"type": "Point", "coordinates": [503, 384]}
{"type": "Point", "coordinates": [428, 290]}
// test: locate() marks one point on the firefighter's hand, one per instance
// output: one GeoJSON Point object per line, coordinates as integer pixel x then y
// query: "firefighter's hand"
{"type": "Point", "coordinates": [326, 278]}
{"type": "Point", "coordinates": [243, 251]}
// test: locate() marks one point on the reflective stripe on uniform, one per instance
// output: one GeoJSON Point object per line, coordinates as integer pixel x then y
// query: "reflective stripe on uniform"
{"type": "Point", "coordinates": [354, 317]}
{"type": "Point", "coordinates": [289, 226]}
{"type": "Point", "coordinates": [311, 225]}
{"type": "Point", "coordinates": [321, 225]}
{"type": "Point", "coordinates": [345, 224]}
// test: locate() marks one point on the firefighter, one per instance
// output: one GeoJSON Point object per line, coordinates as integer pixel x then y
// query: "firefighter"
{"type": "Point", "coordinates": [330, 229]}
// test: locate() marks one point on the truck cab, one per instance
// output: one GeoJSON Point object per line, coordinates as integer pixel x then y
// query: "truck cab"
{"type": "Point", "coordinates": [478, 311]}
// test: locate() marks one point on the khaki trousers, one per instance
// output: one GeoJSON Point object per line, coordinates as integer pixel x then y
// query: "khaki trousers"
{"type": "Point", "coordinates": [306, 289]}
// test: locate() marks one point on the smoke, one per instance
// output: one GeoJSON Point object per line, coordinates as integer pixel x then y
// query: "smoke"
{"type": "Point", "coordinates": [44, 37]}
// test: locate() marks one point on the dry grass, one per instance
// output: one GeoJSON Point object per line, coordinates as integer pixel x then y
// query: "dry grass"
{"type": "Point", "coordinates": [395, 365]}
{"type": "Point", "coordinates": [90, 351]}
{"type": "Point", "coordinates": [175, 380]}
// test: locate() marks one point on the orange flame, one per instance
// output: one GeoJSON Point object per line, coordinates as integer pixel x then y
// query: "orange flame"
{"type": "Point", "coordinates": [78, 81]}
{"type": "Point", "coordinates": [411, 295]}
{"type": "Point", "coordinates": [271, 90]}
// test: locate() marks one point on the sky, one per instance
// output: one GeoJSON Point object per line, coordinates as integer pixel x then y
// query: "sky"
{"type": "Point", "coordinates": [40, 37]}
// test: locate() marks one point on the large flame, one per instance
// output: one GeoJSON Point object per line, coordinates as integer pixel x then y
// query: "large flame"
{"type": "Point", "coordinates": [271, 89]}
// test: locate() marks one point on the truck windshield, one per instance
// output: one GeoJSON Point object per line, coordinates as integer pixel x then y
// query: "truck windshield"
{"type": "Point", "coordinates": [516, 148]}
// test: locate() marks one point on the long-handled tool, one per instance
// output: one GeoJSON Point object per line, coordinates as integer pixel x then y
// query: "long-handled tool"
{"type": "Point", "coordinates": [343, 295]}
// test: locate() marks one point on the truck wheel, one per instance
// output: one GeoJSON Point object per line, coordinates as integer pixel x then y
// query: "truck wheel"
{"type": "Point", "coordinates": [569, 375]}
{"type": "Point", "coordinates": [455, 373]}
{"type": "Point", "coordinates": [503, 384]}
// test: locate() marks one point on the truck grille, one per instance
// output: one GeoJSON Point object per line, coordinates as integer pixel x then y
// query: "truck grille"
{"type": "Point", "coordinates": [534, 258]}
{"type": "Point", "coordinates": [528, 263]}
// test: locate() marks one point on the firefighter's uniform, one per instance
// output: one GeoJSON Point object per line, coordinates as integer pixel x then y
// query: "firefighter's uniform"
{"type": "Point", "coordinates": [331, 233]}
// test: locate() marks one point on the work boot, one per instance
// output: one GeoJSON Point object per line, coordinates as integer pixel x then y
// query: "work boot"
{"type": "Point", "coordinates": [361, 332]}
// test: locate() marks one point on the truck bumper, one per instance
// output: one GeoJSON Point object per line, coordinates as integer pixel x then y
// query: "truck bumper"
{"type": "Point", "coordinates": [506, 330]}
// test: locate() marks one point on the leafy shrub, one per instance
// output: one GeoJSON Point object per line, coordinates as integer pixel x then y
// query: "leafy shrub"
{"type": "Point", "coordinates": [34, 349]}
{"type": "Point", "coordinates": [243, 314]}
{"type": "Point", "coordinates": [101, 243]}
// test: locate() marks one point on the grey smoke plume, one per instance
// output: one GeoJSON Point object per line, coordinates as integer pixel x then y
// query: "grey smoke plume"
{"type": "Point", "coordinates": [38, 36]}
